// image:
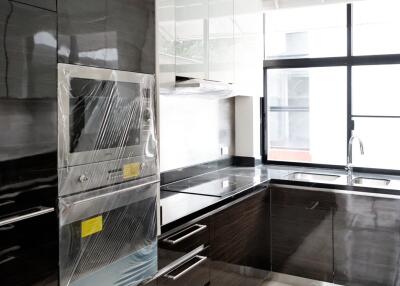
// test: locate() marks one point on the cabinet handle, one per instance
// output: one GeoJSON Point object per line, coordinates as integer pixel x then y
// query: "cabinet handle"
{"type": "Point", "coordinates": [8, 259]}
{"type": "Point", "coordinates": [34, 212]}
{"type": "Point", "coordinates": [312, 206]}
{"type": "Point", "coordinates": [201, 259]}
{"type": "Point", "coordinates": [172, 241]}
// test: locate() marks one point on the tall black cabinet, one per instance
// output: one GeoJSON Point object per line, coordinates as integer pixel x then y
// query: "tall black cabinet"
{"type": "Point", "coordinates": [28, 143]}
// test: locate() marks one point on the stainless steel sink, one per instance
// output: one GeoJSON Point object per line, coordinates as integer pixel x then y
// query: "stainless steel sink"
{"type": "Point", "coordinates": [371, 182]}
{"type": "Point", "coordinates": [311, 177]}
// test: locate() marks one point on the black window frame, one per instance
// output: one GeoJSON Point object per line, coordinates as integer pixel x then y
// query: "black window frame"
{"type": "Point", "coordinates": [347, 61]}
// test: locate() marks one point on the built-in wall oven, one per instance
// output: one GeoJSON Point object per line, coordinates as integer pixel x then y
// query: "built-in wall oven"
{"type": "Point", "coordinates": [109, 236]}
{"type": "Point", "coordinates": [106, 128]}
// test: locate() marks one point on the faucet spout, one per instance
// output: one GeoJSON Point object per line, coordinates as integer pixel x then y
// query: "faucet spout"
{"type": "Point", "coordinates": [349, 166]}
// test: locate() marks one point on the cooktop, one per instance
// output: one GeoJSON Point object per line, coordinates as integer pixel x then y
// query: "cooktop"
{"type": "Point", "coordinates": [216, 187]}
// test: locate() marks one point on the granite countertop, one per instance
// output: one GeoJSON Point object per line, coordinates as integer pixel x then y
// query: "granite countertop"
{"type": "Point", "coordinates": [184, 200]}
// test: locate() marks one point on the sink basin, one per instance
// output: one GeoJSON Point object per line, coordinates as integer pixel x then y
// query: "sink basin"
{"type": "Point", "coordinates": [311, 177]}
{"type": "Point", "coordinates": [371, 182]}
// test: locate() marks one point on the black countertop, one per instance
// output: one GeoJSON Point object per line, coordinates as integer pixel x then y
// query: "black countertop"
{"type": "Point", "coordinates": [187, 199]}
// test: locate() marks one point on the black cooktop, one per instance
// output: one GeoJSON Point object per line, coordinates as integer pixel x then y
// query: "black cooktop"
{"type": "Point", "coordinates": [210, 186]}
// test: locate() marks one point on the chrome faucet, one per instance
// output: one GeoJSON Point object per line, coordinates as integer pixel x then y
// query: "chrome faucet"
{"type": "Point", "coordinates": [349, 166]}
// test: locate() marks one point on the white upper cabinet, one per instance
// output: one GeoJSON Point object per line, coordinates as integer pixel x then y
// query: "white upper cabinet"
{"type": "Point", "coordinates": [191, 38]}
{"type": "Point", "coordinates": [221, 40]}
{"type": "Point", "coordinates": [249, 48]}
{"type": "Point", "coordinates": [166, 43]}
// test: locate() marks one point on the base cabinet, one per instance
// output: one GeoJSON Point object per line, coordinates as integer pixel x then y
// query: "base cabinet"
{"type": "Point", "coordinates": [366, 240]}
{"type": "Point", "coordinates": [193, 272]}
{"type": "Point", "coordinates": [301, 233]}
{"type": "Point", "coordinates": [240, 242]}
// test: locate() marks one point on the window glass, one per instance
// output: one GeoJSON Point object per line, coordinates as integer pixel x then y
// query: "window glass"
{"type": "Point", "coordinates": [376, 27]}
{"type": "Point", "coordinates": [376, 90]}
{"type": "Point", "coordinates": [309, 32]}
{"type": "Point", "coordinates": [307, 115]}
{"type": "Point", "coordinates": [381, 143]}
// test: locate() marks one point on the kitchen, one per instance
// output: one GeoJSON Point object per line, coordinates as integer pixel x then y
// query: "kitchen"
{"type": "Point", "coordinates": [199, 142]}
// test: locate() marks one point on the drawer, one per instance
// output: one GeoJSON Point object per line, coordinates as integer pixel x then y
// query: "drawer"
{"type": "Point", "coordinates": [28, 229]}
{"type": "Point", "coordinates": [178, 243]}
{"type": "Point", "coordinates": [16, 200]}
{"type": "Point", "coordinates": [194, 271]}
{"type": "Point", "coordinates": [38, 266]}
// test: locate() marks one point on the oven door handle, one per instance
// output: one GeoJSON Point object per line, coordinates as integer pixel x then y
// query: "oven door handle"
{"type": "Point", "coordinates": [34, 212]}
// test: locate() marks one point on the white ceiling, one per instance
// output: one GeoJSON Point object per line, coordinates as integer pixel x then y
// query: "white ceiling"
{"type": "Point", "coordinates": [277, 4]}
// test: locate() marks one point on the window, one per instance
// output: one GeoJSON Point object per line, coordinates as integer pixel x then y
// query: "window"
{"type": "Point", "coordinates": [332, 70]}
{"type": "Point", "coordinates": [298, 100]}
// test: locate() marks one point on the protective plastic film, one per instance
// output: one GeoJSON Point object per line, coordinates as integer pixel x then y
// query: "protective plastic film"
{"type": "Point", "coordinates": [108, 237]}
{"type": "Point", "coordinates": [106, 127]}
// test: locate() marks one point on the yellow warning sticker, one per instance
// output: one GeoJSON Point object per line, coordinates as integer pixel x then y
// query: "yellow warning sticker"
{"type": "Point", "coordinates": [91, 226]}
{"type": "Point", "coordinates": [131, 170]}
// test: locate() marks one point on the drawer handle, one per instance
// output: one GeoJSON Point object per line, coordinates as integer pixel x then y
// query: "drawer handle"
{"type": "Point", "coordinates": [191, 267]}
{"type": "Point", "coordinates": [7, 227]}
{"type": "Point", "coordinates": [312, 206]}
{"type": "Point", "coordinates": [6, 203]}
{"type": "Point", "coordinates": [198, 228]}
{"type": "Point", "coordinates": [8, 259]}
{"type": "Point", "coordinates": [34, 212]}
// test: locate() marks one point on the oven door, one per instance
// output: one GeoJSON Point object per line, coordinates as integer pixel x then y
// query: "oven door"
{"type": "Point", "coordinates": [109, 238]}
{"type": "Point", "coordinates": [104, 115]}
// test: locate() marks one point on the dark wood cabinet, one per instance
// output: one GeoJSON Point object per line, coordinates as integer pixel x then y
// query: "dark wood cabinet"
{"type": "Point", "coordinates": [366, 240]}
{"type": "Point", "coordinates": [180, 242]}
{"type": "Point", "coordinates": [193, 272]}
{"type": "Point", "coordinates": [185, 253]}
{"type": "Point", "coordinates": [301, 233]}
{"type": "Point", "coordinates": [240, 242]}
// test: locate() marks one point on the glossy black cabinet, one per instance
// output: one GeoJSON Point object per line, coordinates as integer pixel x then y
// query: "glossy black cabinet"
{"type": "Point", "coordinates": [115, 34]}
{"type": "Point", "coordinates": [301, 233]}
{"type": "Point", "coordinates": [366, 240]}
{"type": "Point", "coordinates": [44, 4]}
{"type": "Point", "coordinates": [240, 242]}
{"type": "Point", "coordinates": [28, 142]}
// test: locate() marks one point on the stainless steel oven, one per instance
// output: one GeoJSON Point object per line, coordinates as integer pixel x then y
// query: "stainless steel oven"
{"type": "Point", "coordinates": [109, 236]}
{"type": "Point", "coordinates": [105, 127]}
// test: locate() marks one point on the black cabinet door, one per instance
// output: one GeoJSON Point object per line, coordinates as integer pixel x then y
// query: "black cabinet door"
{"type": "Point", "coordinates": [240, 242]}
{"type": "Point", "coordinates": [115, 34]}
{"type": "Point", "coordinates": [301, 233]}
{"type": "Point", "coordinates": [367, 240]}
{"type": "Point", "coordinates": [28, 93]}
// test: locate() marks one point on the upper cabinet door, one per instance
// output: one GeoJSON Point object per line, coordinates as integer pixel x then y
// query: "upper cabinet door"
{"type": "Point", "coordinates": [249, 45]}
{"type": "Point", "coordinates": [191, 38]}
{"type": "Point", "coordinates": [221, 40]}
{"type": "Point", "coordinates": [115, 34]}
{"type": "Point", "coordinates": [28, 86]}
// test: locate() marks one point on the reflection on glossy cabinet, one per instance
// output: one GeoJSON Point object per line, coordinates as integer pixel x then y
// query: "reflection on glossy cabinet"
{"type": "Point", "coordinates": [240, 242]}
{"type": "Point", "coordinates": [115, 34]}
{"type": "Point", "coordinates": [367, 240]}
{"type": "Point", "coordinates": [301, 233]}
